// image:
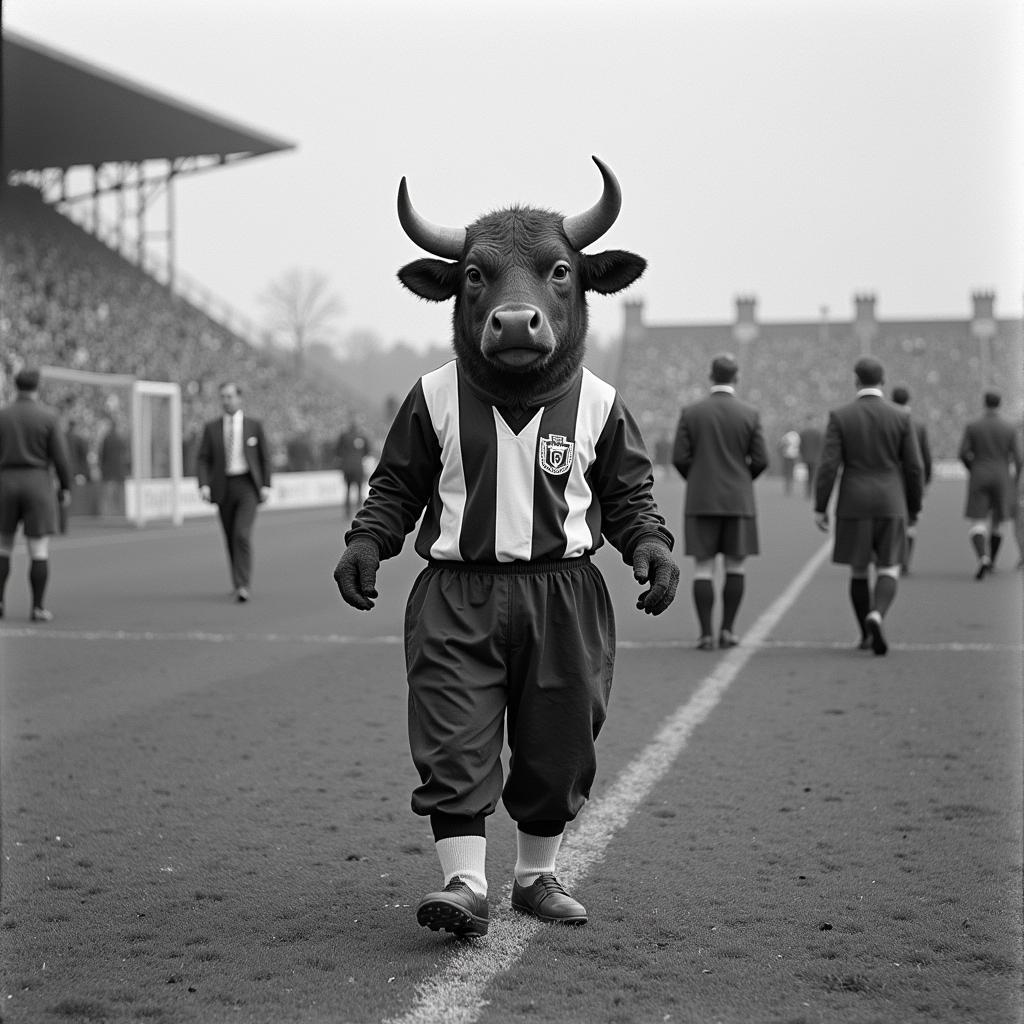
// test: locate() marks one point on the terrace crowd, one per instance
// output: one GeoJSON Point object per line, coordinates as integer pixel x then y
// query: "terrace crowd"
{"type": "Point", "coordinates": [67, 300]}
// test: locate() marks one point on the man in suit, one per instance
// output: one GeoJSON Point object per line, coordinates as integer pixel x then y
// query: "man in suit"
{"type": "Point", "coordinates": [875, 445]}
{"type": "Point", "coordinates": [988, 446]}
{"type": "Point", "coordinates": [901, 396]}
{"type": "Point", "coordinates": [719, 451]}
{"type": "Point", "coordinates": [233, 466]}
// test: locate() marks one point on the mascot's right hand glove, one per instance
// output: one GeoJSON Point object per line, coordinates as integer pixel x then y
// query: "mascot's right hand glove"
{"type": "Point", "coordinates": [356, 573]}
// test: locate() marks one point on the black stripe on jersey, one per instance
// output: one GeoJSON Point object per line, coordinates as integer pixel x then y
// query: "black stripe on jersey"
{"type": "Point", "coordinates": [549, 505]}
{"type": "Point", "coordinates": [478, 444]}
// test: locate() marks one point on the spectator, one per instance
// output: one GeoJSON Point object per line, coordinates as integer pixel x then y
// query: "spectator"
{"type": "Point", "coordinates": [811, 439]}
{"type": "Point", "coordinates": [115, 465]}
{"type": "Point", "coordinates": [789, 453]}
{"type": "Point", "coordinates": [352, 449]}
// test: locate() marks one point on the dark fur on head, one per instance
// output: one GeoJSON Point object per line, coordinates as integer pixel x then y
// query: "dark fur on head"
{"type": "Point", "coordinates": [518, 262]}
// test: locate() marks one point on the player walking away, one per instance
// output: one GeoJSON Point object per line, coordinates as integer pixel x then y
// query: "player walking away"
{"type": "Point", "coordinates": [719, 451]}
{"type": "Point", "coordinates": [31, 443]}
{"type": "Point", "coordinates": [901, 396]}
{"type": "Point", "coordinates": [874, 443]}
{"type": "Point", "coordinates": [988, 447]}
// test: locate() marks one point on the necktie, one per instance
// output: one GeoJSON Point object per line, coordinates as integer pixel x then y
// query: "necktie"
{"type": "Point", "coordinates": [234, 444]}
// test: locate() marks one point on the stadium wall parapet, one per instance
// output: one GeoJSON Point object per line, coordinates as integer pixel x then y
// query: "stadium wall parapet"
{"type": "Point", "coordinates": [153, 499]}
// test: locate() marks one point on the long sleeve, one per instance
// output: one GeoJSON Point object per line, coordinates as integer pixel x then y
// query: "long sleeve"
{"type": "Point", "coordinates": [757, 457]}
{"type": "Point", "coordinates": [204, 458]}
{"type": "Point", "coordinates": [926, 452]}
{"type": "Point", "coordinates": [828, 468]}
{"type": "Point", "coordinates": [1015, 454]}
{"type": "Point", "coordinates": [966, 451]}
{"type": "Point", "coordinates": [264, 455]}
{"type": "Point", "coordinates": [59, 457]}
{"type": "Point", "coordinates": [404, 479]}
{"type": "Point", "coordinates": [623, 482]}
{"type": "Point", "coordinates": [682, 448]}
{"type": "Point", "coordinates": [913, 470]}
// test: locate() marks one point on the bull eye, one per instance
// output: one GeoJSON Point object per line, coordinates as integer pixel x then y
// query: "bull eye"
{"type": "Point", "coordinates": [561, 272]}
{"type": "Point", "coordinates": [473, 275]}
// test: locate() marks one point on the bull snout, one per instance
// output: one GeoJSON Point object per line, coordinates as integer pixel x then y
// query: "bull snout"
{"type": "Point", "coordinates": [517, 336]}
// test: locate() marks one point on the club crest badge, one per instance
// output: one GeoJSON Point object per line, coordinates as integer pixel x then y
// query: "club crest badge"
{"type": "Point", "coordinates": [555, 454]}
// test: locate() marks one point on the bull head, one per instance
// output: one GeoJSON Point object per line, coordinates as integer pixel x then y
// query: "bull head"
{"type": "Point", "coordinates": [519, 281]}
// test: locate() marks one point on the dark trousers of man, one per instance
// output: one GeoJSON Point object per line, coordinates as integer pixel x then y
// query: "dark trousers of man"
{"type": "Point", "coordinates": [237, 515]}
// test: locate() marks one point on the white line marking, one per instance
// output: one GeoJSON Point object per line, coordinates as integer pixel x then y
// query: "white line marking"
{"type": "Point", "coordinates": [193, 636]}
{"type": "Point", "coordinates": [453, 995]}
{"type": "Point", "coordinates": [343, 639]}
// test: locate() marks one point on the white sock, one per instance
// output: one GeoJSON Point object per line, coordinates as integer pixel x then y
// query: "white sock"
{"type": "Point", "coordinates": [464, 856]}
{"type": "Point", "coordinates": [535, 856]}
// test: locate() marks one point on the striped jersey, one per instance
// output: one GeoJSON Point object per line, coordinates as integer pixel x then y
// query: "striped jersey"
{"type": "Point", "coordinates": [578, 470]}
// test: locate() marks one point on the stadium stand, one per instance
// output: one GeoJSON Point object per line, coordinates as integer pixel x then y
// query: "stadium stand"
{"type": "Point", "coordinates": [795, 370]}
{"type": "Point", "coordinates": [69, 299]}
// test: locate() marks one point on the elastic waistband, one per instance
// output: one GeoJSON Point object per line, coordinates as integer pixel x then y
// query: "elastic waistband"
{"type": "Point", "coordinates": [512, 568]}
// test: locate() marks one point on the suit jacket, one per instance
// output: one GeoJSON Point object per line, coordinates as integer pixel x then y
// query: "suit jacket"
{"type": "Point", "coordinates": [988, 446]}
{"type": "Point", "coordinates": [875, 444]}
{"type": "Point", "coordinates": [210, 461]}
{"type": "Point", "coordinates": [925, 448]}
{"type": "Point", "coordinates": [719, 451]}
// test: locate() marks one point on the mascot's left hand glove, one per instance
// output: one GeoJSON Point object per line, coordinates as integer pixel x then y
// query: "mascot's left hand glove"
{"type": "Point", "coordinates": [653, 562]}
{"type": "Point", "coordinates": [356, 573]}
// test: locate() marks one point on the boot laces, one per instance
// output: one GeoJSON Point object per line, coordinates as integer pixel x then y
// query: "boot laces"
{"type": "Point", "coordinates": [550, 885]}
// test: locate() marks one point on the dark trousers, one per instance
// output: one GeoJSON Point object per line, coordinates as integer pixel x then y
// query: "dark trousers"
{"type": "Point", "coordinates": [522, 646]}
{"type": "Point", "coordinates": [237, 514]}
{"type": "Point", "coordinates": [353, 482]}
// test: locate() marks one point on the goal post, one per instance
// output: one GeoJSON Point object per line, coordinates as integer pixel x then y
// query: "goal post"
{"type": "Point", "coordinates": [151, 441]}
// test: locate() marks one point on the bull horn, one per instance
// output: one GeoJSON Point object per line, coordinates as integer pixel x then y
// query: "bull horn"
{"type": "Point", "coordinates": [445, 242]}
{"type": "Point", "coordinates": [584, 228]}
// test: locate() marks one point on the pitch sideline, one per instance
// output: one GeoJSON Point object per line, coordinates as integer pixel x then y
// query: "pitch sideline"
{"type": "Point", "coordinates": [453, 995]}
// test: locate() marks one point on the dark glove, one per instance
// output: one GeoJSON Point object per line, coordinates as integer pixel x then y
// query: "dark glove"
{"type": "Point", "coordinates": [653, 562]}
{"type": "Point", "coordinates": [356, 573]}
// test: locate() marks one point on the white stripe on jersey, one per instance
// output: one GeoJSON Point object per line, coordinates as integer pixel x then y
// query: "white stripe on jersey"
{"type": "Point", "coordinates": [513, 521]}
{"type": "Point", "coordinates": [441, 391]}
{"type": "Point", "coordinates": [596, 398]}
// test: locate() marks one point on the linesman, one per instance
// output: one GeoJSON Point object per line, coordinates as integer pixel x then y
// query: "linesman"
{"type": "Point", "coordinates": [31, 444]}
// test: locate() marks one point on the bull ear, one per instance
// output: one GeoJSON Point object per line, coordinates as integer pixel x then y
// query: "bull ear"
{"type": "Point", "coordinates": [611, 271]}
{"type": "Point", "coordinates": [434, 280]}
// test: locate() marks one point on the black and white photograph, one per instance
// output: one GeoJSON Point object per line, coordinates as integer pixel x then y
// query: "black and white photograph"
{"type": "Point", "coordinates": [512, 512]}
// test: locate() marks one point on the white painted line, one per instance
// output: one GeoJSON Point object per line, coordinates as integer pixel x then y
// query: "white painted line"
{"type": "Point", "coordinates": [454, 995]}
{"type": "Point", "coordinates": [193, 636]}
{"type": "Point", "coordinates": [343, 639]}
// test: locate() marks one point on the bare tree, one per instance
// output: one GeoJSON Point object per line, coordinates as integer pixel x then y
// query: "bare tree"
{"type": "Point", "coordinates": [361, 344]}
{"type": "Point", "coordinates": [301, 309]}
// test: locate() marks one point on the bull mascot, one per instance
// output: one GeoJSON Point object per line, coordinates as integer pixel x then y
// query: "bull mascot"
{"type": "Point", "coordinates": [520, 460]}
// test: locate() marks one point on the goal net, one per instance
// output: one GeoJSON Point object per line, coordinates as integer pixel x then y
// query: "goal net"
{"type": "Point", "coordinates": [124, 440]}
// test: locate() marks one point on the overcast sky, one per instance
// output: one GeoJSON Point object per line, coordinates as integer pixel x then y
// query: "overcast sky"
{"type": "Point", "coordinates": [798, 151]}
